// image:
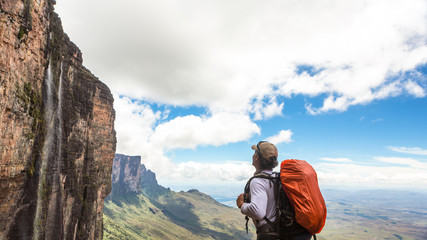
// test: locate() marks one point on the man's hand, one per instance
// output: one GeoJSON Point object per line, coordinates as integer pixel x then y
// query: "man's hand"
{"type": "Point", "coordinates": [240, 200]}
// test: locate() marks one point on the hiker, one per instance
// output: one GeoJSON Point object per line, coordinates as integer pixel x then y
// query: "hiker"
{"type": "Point", "coordinates": [260, 203]}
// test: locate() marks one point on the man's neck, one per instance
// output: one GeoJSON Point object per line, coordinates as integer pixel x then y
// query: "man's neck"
{"type": "Point", "coordinates": [264, 170]}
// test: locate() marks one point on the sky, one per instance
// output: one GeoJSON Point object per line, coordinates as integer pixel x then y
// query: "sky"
{"type": "Point", "coordinates": [340, 84]}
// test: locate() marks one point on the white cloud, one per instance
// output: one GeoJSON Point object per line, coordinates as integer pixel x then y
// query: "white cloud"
{"type": "Point", "coordinates": [415, 89]}
{"type": "Point", "coordinates": [338, 160]}
{"type": "Point", "coordinates": [273, 109]}
{"type": "Point", "coordinates": [134, 125]}
{"type": "Point", "coordinates": [331, 103]}
{"type": "Point", "coordinates": [282, 136]}
{"type": "Point", "coordinates": [265, 110]}
{"type": "Point", "coordinates": [413, 150]}
{"type": "Point", "coordinates": [213, 172]}
{"type": "Point", "coordinates": [403, 161]}
{"type": "Point", "coordinates": [403, 172]}
{"type": "Point", "coordinates": [341, 170]}
{"type": "Point", "coordinates": [385, 90]}
{"type": "Point", "coordinates": [191, 131]}
{"type": "Point", "coordinates": [223, 54]}
{"type": "Point", "coordinates": [237, 58]}
{"type": "Point", "coordinates": [150, 134]}
{"type": "Point", "coordinates": [329, 173]}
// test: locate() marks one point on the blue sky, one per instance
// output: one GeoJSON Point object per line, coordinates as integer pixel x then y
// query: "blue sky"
{"type": "Point", "coordinates": [360, 131]}
{"type": "Point", "coordinates": [359, 134]}
{"type": "Point", "coordinates": [341, 84]}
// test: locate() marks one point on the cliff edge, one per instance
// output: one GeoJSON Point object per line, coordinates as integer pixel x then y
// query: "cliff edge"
{"type": "Point", "coordinates": [130, 176]}
{"type": "Point", "coordinates": [57, 137]}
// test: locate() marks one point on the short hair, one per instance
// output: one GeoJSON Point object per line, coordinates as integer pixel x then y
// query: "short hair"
{"type": "Point", "coordinates": [267, 164]}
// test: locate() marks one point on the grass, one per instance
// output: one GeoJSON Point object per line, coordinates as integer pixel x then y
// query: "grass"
{"type": "Point", "coordinates": [172, 215]}
{"type": "Point", "coordinates": [194, 215]}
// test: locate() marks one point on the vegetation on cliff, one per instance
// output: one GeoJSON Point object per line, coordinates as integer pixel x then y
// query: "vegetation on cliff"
{"type": "Point", "coordinates": [163, 214]}
{"type": "Point", "coordinates": [57, 136]}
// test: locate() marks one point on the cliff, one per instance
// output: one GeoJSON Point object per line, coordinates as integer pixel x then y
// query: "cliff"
{"type": "Point", "coordinates": [126, 176]}
{"type": "Point", "coordinates": [153, 212]}
{"type": "Point", "coordinates": [130, 176]}
{"type": "Point", "coordinates": [57, 138]}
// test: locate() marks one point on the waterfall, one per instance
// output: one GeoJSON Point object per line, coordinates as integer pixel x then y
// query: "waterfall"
{"type": "Point", "coordinates": [54, 208]}
{"type": "Point", "coordinates": [50, 161]}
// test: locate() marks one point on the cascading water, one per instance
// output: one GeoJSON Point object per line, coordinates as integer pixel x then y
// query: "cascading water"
{"type": "Point", "coordinates": [54, 208]}
{"type": "Point", "coordinates": [46, 147]}
{"type": "Point", "coordinates": [50, 162]}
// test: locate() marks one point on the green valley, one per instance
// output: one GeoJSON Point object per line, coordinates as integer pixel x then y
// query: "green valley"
{"type": "Point", "coordinates": [172, 215]}
{"type": "Point", "coordinates": [139, 208]}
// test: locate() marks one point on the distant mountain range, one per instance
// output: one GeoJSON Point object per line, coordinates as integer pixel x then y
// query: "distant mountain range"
{"type": "Point", "coordinates": [375, 214]}
{"type": "Point", "coordinates": [139, 208]}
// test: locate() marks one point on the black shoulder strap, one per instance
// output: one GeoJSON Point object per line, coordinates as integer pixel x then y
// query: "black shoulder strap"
{"type": "Point", "coordinates": [261, 175]}
{"type": "Point", "coordinates": [247, 191]}
{"type": "Point", "coordinates": [274, 177]}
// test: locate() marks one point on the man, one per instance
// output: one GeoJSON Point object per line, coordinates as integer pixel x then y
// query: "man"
{"type": "Point", "coordinates": [260, 204]}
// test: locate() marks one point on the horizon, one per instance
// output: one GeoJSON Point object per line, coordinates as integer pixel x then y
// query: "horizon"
{"type": "Point", "coordinates": [340, 85]}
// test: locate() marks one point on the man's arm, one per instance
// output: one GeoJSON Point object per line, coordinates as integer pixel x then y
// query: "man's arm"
{"type": "Point", "coordinates": [257, 208]}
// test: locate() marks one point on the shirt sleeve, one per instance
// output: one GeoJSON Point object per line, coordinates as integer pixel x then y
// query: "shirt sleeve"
{"type": "Point", "coordinates": [257, 208]}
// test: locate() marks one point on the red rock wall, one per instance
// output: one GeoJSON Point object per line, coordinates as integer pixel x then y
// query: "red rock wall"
{"type": "Point", "coordinates": [70, 191]}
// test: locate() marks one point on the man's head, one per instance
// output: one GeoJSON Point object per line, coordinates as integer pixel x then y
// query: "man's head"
{"type": "Point", "coordinates": [266, 153]}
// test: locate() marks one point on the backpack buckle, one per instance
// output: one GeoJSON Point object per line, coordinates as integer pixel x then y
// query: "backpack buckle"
{"type": "Point", "coordinates": [287, 221]}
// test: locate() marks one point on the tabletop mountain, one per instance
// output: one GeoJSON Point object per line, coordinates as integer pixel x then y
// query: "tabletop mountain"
{"type": "Point", "coordinates": [156, 212]}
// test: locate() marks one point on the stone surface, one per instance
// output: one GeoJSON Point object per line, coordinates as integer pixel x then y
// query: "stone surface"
{"type": "Point", "coordinates": [50, 189]}
{"type": "Point", "coordinates": [130, 176]}
{"type": "Point", "coordinates": [126, 176]}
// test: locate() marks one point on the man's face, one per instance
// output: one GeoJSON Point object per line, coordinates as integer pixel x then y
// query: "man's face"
{"type": "Point", "coordinates": [255, 159]}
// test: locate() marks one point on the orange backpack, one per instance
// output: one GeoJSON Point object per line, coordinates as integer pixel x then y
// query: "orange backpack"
{"type": "Point", "coordinates": [299, 182]}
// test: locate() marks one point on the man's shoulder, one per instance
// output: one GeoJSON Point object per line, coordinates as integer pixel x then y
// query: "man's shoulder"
{"type": "Point", "coordinates": [258, 183]}
{"type": "Point", "coordinates": [266, 175]}
{"type": "Point", "coordinates": [261, 179]}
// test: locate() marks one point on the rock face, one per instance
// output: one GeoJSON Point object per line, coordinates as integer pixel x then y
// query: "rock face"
{"type": "Point", "coordinates": [127, 172]}
{"type": "Point", "coordinates": [130, 176]}
{"type": "Point", "coordinates": [57, 138]}
{"type": "Point", "coordinates": [148, 178]}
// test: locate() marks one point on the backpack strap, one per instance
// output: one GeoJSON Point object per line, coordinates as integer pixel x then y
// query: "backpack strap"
{"type": "Point", "coordinates": [247, 220]}
{"type": "Point", "coordinates": [248, 183]}
{"type": "Point", "coordinates": [274, 177]}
